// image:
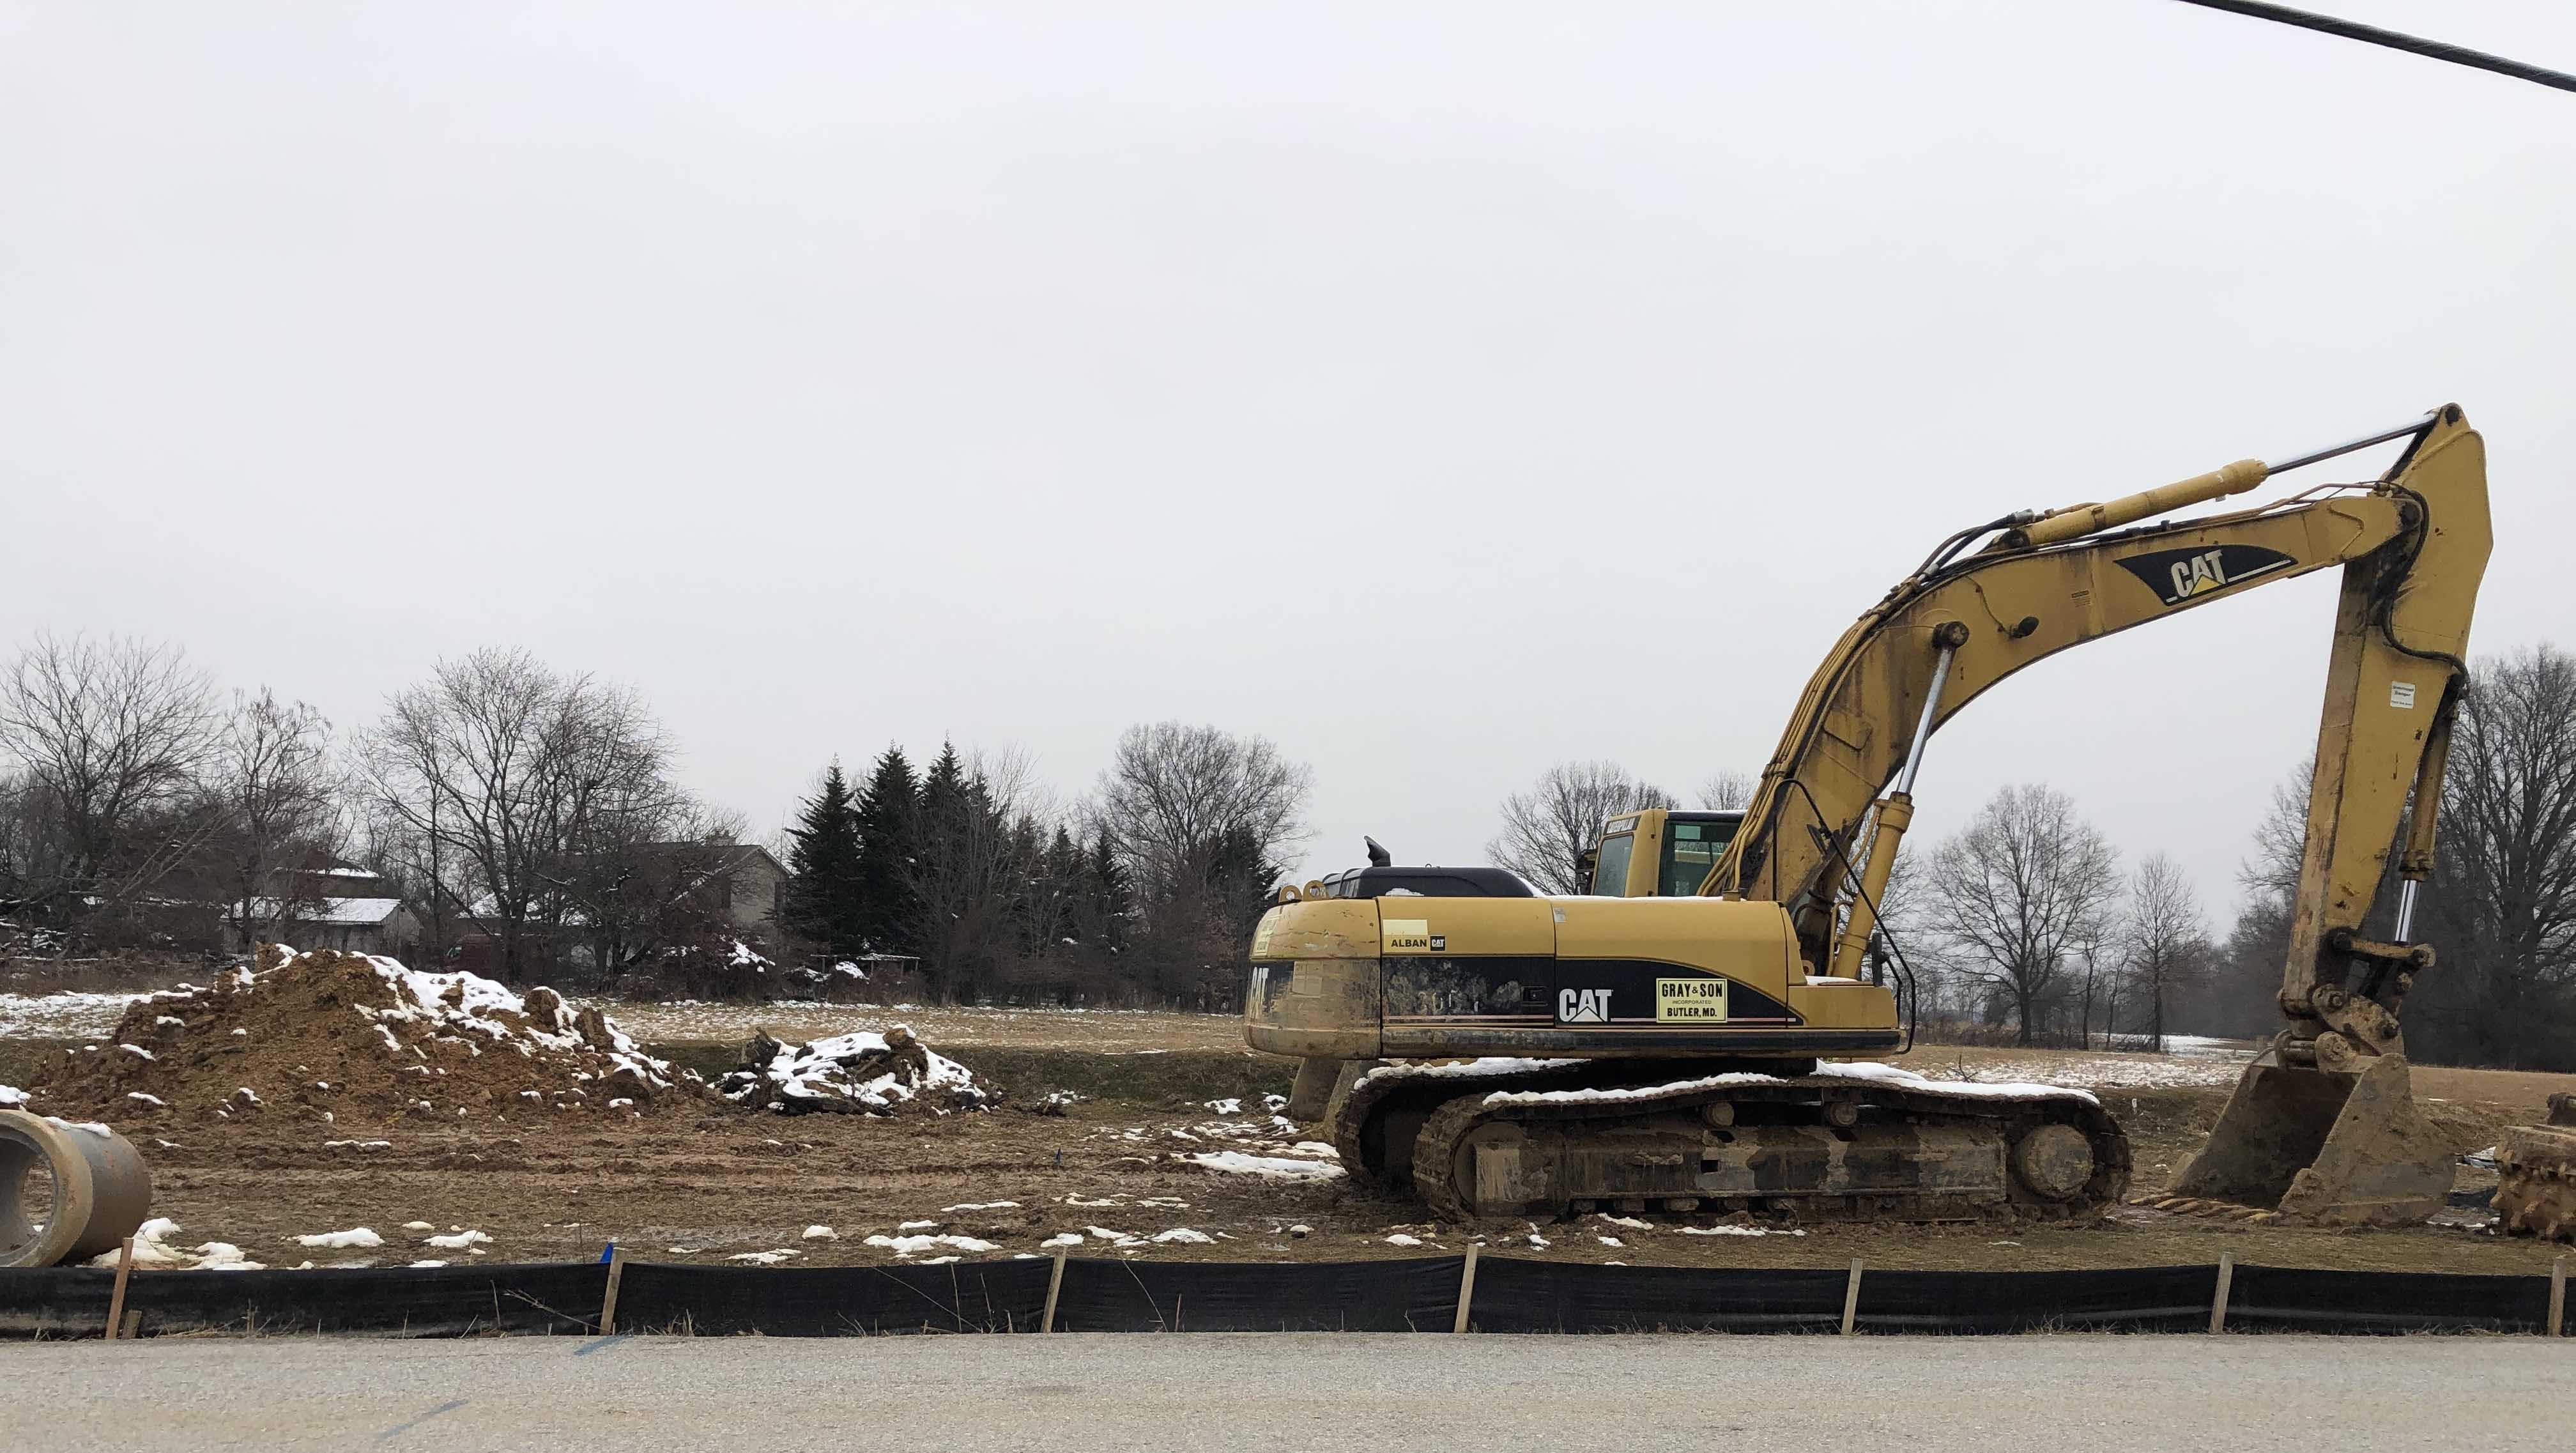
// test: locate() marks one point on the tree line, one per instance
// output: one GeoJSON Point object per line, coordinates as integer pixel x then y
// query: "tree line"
{"type": "Point", "coordinates": [527, 811]}
{"type": "Point", "coordinates": [531, 819]}
{"type": "Point", "coordinates": [1143, 891]}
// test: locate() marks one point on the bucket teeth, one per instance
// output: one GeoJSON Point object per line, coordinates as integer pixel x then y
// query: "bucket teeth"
{"type": "Point", "coordinates": [2536, 1186]}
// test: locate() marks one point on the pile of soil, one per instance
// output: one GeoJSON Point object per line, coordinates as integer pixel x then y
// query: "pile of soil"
{"type": "Point", "coordinates": [861, 1074]}
{"type": "Point", "coordinates": [345, 1038]}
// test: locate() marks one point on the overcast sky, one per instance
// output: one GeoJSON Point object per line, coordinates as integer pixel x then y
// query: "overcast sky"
{"type": "Point", "coordinates": [1440, 391]}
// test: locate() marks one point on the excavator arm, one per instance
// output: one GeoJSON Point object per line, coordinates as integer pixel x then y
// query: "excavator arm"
{"type": "Point", "coordinates": [2412, 545]}
{"type": "Point", "coordinates": [1820, 835]}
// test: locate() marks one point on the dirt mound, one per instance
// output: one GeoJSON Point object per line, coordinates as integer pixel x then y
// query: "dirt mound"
{"type": "Point", "coordinates": [862, 1074]}
{"type": "Point", "coordinates": [347, 1038]}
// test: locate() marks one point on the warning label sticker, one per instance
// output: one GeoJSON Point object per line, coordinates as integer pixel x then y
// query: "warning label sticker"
{"type": "Point", "coordinates": [1405, 936]}
{"type": "Point", "coordinates": [1690, 1001]}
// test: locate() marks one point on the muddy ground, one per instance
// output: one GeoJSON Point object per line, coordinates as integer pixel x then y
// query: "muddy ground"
{"type": "Point", "coordinates": [727, 1183]}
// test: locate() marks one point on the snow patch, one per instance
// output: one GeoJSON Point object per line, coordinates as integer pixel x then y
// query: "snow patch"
{"type": "Point", "coordinates": [913, 1245]}
{"type": "Point", "coordinates": [1872, 1073]}
{"type": "Point", "coordinates": [357, 1238]}
{"type": "Point", "coordinates": [1268, 1167]}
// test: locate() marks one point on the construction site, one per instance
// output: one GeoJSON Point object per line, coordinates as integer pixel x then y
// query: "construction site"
{"type": "Point", "coordinates": [368, 1116]}
{"type": "Point", "coordinates": [1823, 726]}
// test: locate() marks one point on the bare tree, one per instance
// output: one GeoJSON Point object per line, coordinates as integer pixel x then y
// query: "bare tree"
{"type": "Point", "coordinates": [2280, 836]}
{"type": "Point", "coordinates": [2166, 942]}
{"type": "Point", "coordinates": [1548, 829]}
{"type": "Point", "coordinates": [2502, 906]}
{"type": "Point", "coordinates": [2024, 886]}
{"type": "Point", "coordinates": [279, 797]}
{"type": "Point", "coordinates": [112, 736]}
{"type": "Point", "coordinates": [503, 775]}
{"type": "Point", "coordinates": [1173, 795]}
{"type": "Point", "coordinates": [1727, 791]}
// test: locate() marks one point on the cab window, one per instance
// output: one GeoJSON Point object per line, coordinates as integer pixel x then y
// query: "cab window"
{"type": "Point", "coordinates": [1610, 871]}
{"type": "Point", "coordinates": [1690, 850]}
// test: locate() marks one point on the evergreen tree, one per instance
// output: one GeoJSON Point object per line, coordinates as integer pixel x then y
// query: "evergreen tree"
{"type": "Point", "coordinates": [1109, 903]}
{"type": "Point", "coordinates": [888, 809]}
{"type": "Point", "coordinates": [824, 901]}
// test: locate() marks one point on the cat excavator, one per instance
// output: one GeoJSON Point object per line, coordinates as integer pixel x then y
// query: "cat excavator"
{"type": "Point", "coordinates": [1688, 1035]}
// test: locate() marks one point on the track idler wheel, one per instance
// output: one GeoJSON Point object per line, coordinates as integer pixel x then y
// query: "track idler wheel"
{"type": "Point", "coordinates": [2053, 1162]}
{"type": "Point", "coordinates": [101, 1190]}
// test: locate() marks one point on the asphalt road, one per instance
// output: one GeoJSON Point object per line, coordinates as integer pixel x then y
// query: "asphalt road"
{"type": "Point", "coordinates": [1381, 1394]}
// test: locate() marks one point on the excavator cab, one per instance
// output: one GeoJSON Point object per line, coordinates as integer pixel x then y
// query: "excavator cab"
{"type": "Point", "coordinates": [1659, 852]}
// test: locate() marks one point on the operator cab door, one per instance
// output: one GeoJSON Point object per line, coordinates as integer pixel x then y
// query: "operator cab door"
{"type": "Point", "coordinates": [1660, 853]}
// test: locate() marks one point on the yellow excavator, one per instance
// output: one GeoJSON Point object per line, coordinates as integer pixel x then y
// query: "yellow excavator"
{"type": "Point", "coordinates": [1679, 1038]}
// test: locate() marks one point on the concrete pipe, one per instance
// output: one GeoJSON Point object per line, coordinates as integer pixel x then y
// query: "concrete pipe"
{"type": "Point", "coordinates": [102, 1190]}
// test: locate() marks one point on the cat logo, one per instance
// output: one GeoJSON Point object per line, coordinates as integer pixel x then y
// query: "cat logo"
{"type": "Point", "coordinates": [1582, 1006]}
{"type": "Point", "coordinates": [2180, 575]}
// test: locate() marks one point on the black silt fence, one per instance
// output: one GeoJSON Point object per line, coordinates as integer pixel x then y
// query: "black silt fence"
{"type": "Point", "coordinates": [1421, 1295]}
{"type": "Point", "coordinates": [1557, 1296]}
{"type": "Point", "coordinates": [2289, 1299]}
{"type": "Point", "coordinates": [1210, 1296]}
{"type": "Point", "coordinates": [428, 1301]}
{"type": "Point", "coordinates": [832, 1301]}
{"type": "Point", "coordinates": [2141, 1299]}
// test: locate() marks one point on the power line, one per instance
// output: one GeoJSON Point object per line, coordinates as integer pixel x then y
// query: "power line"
{"type": "Point", "coordinates": [2395, 40]}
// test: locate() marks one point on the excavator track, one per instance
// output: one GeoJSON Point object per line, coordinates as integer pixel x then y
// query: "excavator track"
{"type": "Point", "coordinates": [1375, 1123]}
{"type": "Point", "coordinates": [1849, 1143]}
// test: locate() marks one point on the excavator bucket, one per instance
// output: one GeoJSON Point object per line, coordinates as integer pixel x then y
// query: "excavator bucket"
{"type": "Point", "coordinates": [2324, 1147]}
{"type": "Point", "coordinates": [2536, 1166]}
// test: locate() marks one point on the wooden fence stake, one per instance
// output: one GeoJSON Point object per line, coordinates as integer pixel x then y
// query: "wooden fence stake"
{"type": "Point", "coordinates": [1851, 1297]}
{"type": "Point", "coordinates": [1055, 1283]}
{"type": "Point", "coordinates": [1466, 1289]}
{"type": "Point", "coordinates": [608, 1302]}
{"type": "Point", "coordinates": [2218, 1303]}
{"type": "Point", "coordinates": [116, 1299]}
{"type": "Point", "coordinates": [2557, 1296]}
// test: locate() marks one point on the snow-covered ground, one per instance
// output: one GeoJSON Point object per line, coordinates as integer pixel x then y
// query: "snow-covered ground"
{"type": "Point", "coordinates": [2188, 1060]}
{"type": "Point", "coordinates": [62, 1016]}
{"type": "Point", "coordinates": [2080, 1071]}
{"type": "Point", "coordinates": [1107, 1031]}
{"type": "Point", "coordinates": [1110, 1031]}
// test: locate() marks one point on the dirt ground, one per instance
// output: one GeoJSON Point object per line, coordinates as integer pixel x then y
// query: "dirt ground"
{"type": "Point", "coordinates": [729, 1184]}
{"type": "Point", "coordinates": [706, 1185]}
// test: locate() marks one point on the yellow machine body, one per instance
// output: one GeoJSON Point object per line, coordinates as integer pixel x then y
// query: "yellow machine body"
{"type": "Point", "coordinates": [1408, 976]}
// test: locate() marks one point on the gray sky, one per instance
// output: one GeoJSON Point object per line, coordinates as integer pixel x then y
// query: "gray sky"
{"type": "Point", "coordinates": [1441, 391]}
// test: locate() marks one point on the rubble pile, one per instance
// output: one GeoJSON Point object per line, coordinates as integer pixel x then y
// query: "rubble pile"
{"type": "Point", "coordinates": [343, 1036]}
{"type": "Point", "coordinates": [865, 1074]}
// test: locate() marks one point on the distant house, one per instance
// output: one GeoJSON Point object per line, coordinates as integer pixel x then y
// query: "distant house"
{"type": "Point", "coordinates": [739, 883]}
{"type": "Point", "coordinates": [353, 925]}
